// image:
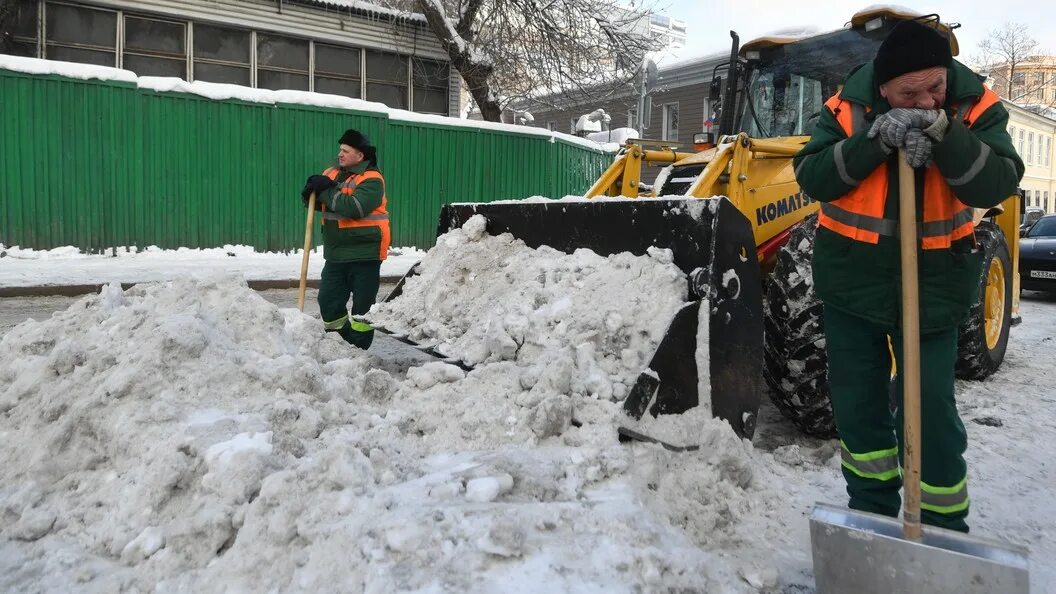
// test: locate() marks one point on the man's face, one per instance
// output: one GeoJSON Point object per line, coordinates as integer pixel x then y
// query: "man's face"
{"type": "Point", "coordinates": [923, 89]}
{"type": "Point", "coordinates": [348, 156]}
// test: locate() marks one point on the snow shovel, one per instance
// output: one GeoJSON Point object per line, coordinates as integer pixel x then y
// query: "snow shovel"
{"type": "Point", "coordinates": [307, 251]}
{"type": "Point", "coordinates": [868, 553]}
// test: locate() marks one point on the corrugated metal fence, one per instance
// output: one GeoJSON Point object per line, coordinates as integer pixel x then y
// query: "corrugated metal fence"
{"type": "Point", "coordinates": [99, 164]}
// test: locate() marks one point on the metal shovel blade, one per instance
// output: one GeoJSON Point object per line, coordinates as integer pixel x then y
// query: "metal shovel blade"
{"type": "Point", "coordinates": [865, 553]}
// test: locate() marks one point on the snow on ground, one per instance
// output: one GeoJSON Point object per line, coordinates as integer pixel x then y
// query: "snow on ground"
{"type": "Point", "coordinates": [190, 436]}
{"type": "Point", "coordinates": [69, 266]}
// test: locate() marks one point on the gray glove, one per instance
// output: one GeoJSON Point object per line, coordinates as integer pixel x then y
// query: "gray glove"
{"type": "Point", "coordinates": [918, 147]}
{"type": "Point", "coordinates": [937, 130]}
{"type": "Point", "coordinates": [892, 126]}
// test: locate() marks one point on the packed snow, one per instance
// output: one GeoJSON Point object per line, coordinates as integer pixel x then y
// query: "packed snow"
{"type": "Point", "coordinates": [188, 435]}
{"type": "Point", "coordinates": [550, 312]}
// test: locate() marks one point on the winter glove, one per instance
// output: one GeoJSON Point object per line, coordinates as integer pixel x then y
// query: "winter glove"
{"type": "Point", "coordinates": [918, 147]}
{"type": "Point", "coordinates": [316, 183]}
{"type": "Point", "coordinates": [892, 126]}
{"type": "Point", "coordinates": [937, 130]}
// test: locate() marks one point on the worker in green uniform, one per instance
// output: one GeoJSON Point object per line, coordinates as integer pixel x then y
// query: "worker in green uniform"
{"type": "Point", "coordinates": [356, 236]}
{"type": "Point", "coordinates": [915, 96]}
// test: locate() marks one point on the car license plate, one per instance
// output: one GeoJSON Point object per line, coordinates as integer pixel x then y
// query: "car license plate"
{"type": "Point", "coordinates": [1043, 274]}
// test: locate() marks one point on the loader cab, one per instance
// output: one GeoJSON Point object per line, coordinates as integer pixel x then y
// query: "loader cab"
{"type": "Point", "coordinates": [785, 79]}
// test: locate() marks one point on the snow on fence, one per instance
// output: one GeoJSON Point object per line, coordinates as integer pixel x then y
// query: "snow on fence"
{"type": "Point", "coordinates": [97, 157]}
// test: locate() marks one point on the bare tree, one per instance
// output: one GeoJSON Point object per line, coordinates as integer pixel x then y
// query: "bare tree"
{"type": "Point", "coordinates": [512, 49]}
{"type": "Point", "coordinates": [1012, 58]}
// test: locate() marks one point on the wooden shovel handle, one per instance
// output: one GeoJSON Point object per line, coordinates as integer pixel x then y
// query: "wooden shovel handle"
{"type": "Point", "coordinates": [907, 209]}
{"type": "Point", "coordinates": [307, 251]}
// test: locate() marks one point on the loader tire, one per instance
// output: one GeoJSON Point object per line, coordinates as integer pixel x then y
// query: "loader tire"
{"type": "Point", "coordinates": [795, 363]}
{"type": "Point", "coordinates": [983, 336]}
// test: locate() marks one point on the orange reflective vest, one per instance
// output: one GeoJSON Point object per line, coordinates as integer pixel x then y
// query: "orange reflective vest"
{"type": "Point", "coordinates": [379, 217]}
{"type": "Point", "coordinates": [859, 214]}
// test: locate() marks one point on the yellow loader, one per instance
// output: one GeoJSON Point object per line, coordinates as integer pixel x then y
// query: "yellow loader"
{"type": "Point", "coordinates": [746, 244]}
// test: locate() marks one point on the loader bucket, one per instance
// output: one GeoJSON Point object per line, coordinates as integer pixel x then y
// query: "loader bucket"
{"type": "Point", "coordinates": [711, 242]}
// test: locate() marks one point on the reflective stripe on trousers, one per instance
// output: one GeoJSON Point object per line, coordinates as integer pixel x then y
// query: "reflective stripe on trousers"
{"type": "Point", "coordinates": [881, 465]}
{"type": "Point", "coordinates": [337, 324]}
{"type": "Point", "coordinates": [944, 500]}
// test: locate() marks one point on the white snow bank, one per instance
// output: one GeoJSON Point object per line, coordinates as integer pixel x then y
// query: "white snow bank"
{"type": "Point", "coordinates": [190, 436]}
{"type": "Point", "coordinates": [220, 92]}
{"type": "Point", "coordinates": [67, 265]}
{"type": "Point", "coordinates": [67, 69]}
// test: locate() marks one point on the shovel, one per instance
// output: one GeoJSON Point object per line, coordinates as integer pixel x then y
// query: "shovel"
{"type": "Point", "coordinates": [307, 250]}
{"type": "Point", "coordinates": [867, 553]}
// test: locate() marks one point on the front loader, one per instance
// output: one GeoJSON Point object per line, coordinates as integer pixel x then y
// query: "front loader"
{"type": "Point", "coordinates": [741, 229]}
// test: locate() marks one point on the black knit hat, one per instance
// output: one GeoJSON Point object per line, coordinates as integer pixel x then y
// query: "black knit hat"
{"type": "Point", "coordinates": [356, 140]}
{"type": "Point", "coordinates": [909, 47]}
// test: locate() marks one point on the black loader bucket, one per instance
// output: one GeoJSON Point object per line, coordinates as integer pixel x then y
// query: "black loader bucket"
{"type": "Point", "coordinates": [711, 242]}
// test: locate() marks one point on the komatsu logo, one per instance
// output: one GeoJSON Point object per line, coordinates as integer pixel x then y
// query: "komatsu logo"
{"type": "Point", "coordinates": [780, 208]}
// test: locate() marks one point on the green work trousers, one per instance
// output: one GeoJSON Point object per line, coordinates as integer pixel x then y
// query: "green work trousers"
{"type": "Point", "coordinates": [870, 431]}
{"type": "Point", "coordinates": [360, 280]}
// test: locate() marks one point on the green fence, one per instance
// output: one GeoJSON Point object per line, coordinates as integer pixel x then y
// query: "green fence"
{"type": "Point", "coordinates": [97, 164]}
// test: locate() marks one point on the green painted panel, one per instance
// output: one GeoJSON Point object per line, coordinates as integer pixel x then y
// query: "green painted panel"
{"type": "Point", "coordinates": [98, 164]}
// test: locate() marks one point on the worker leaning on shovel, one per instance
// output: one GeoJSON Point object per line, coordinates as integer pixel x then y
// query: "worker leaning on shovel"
{"type": "Point", "coordinates": [356, 236]}
{"type": "Point", "coordinates": [913, 95]}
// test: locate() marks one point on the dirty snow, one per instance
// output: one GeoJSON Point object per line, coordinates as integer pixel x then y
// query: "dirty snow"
{"type": "Point", "coordinates": [190, 436]}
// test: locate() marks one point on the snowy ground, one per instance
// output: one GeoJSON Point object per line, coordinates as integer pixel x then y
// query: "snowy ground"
{"type": "Point", "coordinates": [69, 266]}
{"type": "Point", "coordinates": [190, 435]}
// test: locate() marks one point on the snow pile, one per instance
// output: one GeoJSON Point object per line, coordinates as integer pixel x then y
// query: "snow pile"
{"type": "Point", "coordinates": [578, 322]}
{"type": "Point", "coordinates": [189, 436]}
{"type": "Point", "coordinates": [618, 136]}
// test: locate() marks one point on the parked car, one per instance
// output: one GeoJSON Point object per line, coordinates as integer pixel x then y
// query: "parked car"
{"type": "Point", "coordinates": [1037, 256]}
{"type": "Point", "coordinates": [1030, 216]}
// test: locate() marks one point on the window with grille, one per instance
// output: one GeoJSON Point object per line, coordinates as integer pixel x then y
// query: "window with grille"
{"type": "Point", "coordinates": [222, 55]}
{"type": "Point", "coordinates": [387, 79]}
{"type": "Point", "coordinates": [154, 48]}
{"type": "Point", "coordinates": [337, 70]}
{"type": "Point", "coordinates": [430, 86]}
{"type": "Point", "coordinates": [24, 30]}
{"type": "Point", "coordinates": [282, 62]}
{"type": "Point", "coordinates": [81, 34]}
{"type": "Point", "coordinates": [1030, 148]}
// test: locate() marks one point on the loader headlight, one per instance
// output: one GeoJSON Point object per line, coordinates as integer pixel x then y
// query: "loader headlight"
{"type": "Point", "coordinates": [874, 24]}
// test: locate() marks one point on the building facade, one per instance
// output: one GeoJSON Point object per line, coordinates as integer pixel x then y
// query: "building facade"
{"type": "Point", "coordinates": [1032, 134]}
{"type": "Point", "coordinates": [339, 47]}
{"type": "Point", "coordinates": [680, 106]}
{"type": "Point", "coordinates": [1033, 81]}
{"type": "Point", "coordinates": [669, 33]}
